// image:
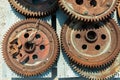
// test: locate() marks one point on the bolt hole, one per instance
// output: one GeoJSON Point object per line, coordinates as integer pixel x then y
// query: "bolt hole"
{"type": "Point", "coordinates": [78, 36]}
{"type": "Point", "coordinates": [93, 3]}
{"type": "Point", "coordinates": [35, 57]}
{"type": "Point", "coordinates": [103, 36]}
{"type": "Point", "coordinates": [26, 35]}
{"type": "Point", "coordinates": [84, 46]}
{"type": "Point", "coordinates": [97, 47]}
{"type": "Point", "coordinates": [20, 55]}
{"type": "Point", "coordinates": [37, 36]}
{"type": "Point", "coordinates": [42, 47]}
{"type": "Point", "coordinates": [79, 2]}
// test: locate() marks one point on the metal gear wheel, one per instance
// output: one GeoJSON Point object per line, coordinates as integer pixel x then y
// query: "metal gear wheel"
{"type": "Point", "coordinates": [102, 75]}
{"type": "Point", "coordinates": [30, 47]}
{"type": "Point", "coordinates": [89, 10]}
{"type": "Point", "coordinates": [91, 44]}
{"type": "Point", "coordinates": [34, 8]}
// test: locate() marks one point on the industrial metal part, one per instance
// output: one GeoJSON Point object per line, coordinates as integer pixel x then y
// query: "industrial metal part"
{"type": "Point", "coordinates": [89, 10]}
{"type": "Point", "coordinates": [118, 10]}
{"type": "Point", "coordinates": [30, 47]}
{"type": "Point", "coordinates": [102, 75]}
{"type": "Point", "coordinates": [34, 8]}
{"type": "Point", "coordinates": [91, 44]}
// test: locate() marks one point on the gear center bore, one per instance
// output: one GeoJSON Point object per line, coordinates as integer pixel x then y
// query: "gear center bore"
{"type": "Point", "coordinates": [29, 47]}
{"type": "Point", "coordinates": [91, 36]}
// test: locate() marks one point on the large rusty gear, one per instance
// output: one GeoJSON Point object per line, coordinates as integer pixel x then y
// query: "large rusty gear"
{"type": "Point", "coordinates": [34, 8]}
{"type": "Point", "coordinates": [91, 44]}
{"type": "Point", "coordinates": [30, 47]}
{"type": "Point", "coordinates": [89, 10]}
{"type": "Point", "coordinates": [102, 75]}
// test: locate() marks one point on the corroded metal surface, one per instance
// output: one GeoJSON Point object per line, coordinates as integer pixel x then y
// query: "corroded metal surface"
{"type": "Point", "coordinates": [102, 75]}
{"type": "Point", "coordinates": [34, 7]}
{"type": "Point", "coordinates": [30, 47]}
{"type": "Point", "coordinates": [91, 44]}
{"type": "Point", "coordinates": [89, 10]}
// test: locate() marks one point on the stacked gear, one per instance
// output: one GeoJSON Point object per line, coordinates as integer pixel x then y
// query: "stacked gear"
{"type": "Point", "coordinates": [91, 47]}
{"type": "Point", "coordinates": [90, 38]}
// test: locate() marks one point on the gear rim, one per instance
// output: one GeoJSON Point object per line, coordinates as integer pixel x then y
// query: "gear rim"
{"type": "Point", "coordinates": [27, 70]}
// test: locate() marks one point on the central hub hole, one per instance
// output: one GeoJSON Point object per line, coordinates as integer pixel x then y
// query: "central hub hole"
{"type": "Point", "coordinates": [91, 35]}
{"type": "Point", "coordinates": [93, 3]}
{"type": "Point", "coordinates": [29, 47]}
{"type": "Point", "coordinates": [38, 1]}
{"type": "Point", "coordinates": [79, 2]}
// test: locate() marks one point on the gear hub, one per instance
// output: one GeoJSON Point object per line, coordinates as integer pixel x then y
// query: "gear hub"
{"type": "Point", "coordinates": [30, 47]}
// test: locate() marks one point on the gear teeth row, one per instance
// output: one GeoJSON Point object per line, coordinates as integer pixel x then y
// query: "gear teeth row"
{"type": "Point", "coordinates": [29, 13]}
{"type": "Point", "coordinates": [13, 68]}
{"type": "Point", "coordinates": [73, 15]}
{"type": "Point", "coordinates": [93, 75]}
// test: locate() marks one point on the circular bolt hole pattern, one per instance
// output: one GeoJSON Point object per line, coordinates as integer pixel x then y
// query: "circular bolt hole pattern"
{"type": "Point", "coordinates": [79, 2]}
{"type": "Point", "coordinates": [35, 57]}
{"type": "Point", "coordinates": [84, 46]}
{"type": "Point", "coordinates": [37, 36]}
{"type": "Point", "coordinates": [93, 3]}
{"type": "Point", "coordinates": [42, 47]}
{"type": "Point", "coordinates": [26, 35]}
{"type": "Point", "coordinates": [103, 36]}
{"type": "Point", "coordinates": [91, 35]}
{"type": "Point", "coordinates": [78, 36]}
{"type": "Point", "coordinates": [97, 47]}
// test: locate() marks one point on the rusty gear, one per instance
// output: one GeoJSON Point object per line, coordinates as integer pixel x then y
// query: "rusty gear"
{"type": "Point", "coordinates": [89, 10]}
{"type": "Point", "coordinates": [118, 10]}
{"type": "Point", "coordinates": [30, 47]}
{"type": "Point", "coordinates": [91, 44]}
{"type": "Point", "coordinates": [103, 75]}
{"type": "Point", "coordinates": [34, 8]}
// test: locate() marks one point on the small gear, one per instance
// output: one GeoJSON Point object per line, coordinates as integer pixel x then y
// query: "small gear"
{"type": "Point", "coordinates": [102, 75]}
{"type": "Point", "coordinates": [91, 44]}
{"type": "Point", "coordinates": [34, 8]}
{"type": "Point", "coordinates": [89, 10]}
{"type": "Point", "coordinates": [30, 47]}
